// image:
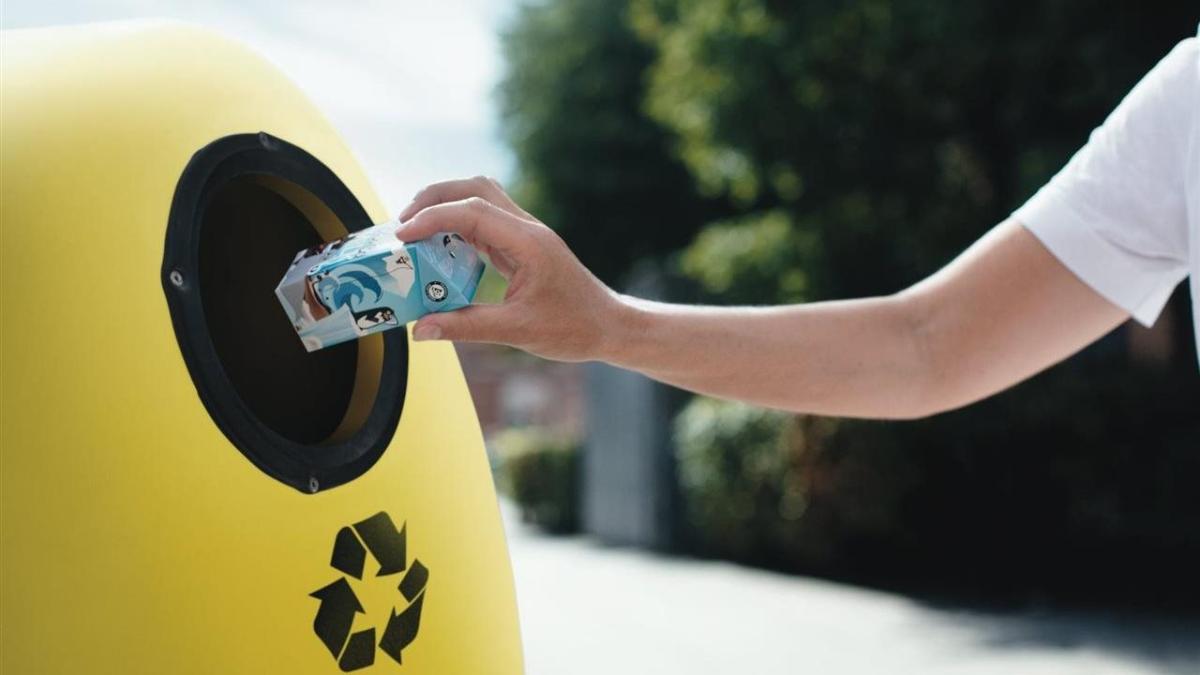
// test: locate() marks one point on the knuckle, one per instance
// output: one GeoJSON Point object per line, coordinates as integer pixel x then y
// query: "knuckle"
{"type": "Point", "coordinates": [427, 214]}
{"type": "Point", "coordinates": [476, 204]}
{"type": "Point", "coordinates": [546, 237]}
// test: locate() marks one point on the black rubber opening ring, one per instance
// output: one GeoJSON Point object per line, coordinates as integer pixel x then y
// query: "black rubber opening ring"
{"type": "Point", "coordinates": [308, 468]}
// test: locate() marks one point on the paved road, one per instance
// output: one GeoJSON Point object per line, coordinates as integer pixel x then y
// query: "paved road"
{"type": "Point", "coordinates": [589, 609]}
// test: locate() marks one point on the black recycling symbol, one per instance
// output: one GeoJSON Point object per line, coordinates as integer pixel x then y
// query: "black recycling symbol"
{"type": "Point", "coordinates": [339, 604]}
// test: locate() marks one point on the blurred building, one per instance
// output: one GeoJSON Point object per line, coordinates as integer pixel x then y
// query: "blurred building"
{"type": "Point", "coordinates": [512, 389]}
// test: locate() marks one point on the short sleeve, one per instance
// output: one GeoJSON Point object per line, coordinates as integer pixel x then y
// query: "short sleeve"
{"type": "Point", "coordinates": [1116, 214]}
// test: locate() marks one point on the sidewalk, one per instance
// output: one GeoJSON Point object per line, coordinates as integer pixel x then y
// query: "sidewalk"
{"type": "Point", "coordinates": [589, 609]}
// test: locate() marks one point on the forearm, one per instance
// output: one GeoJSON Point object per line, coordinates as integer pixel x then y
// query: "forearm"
{"type": "Point", "coordinates": [851, 358]}
{"type": "Point", "coordinates": [1004, 310]}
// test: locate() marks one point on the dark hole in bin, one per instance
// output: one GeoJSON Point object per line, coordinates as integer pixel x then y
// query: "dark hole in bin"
{"type": "Point", "coordinates": [244, 205]}
{"type": "Point", "coordinates": [248, 237]}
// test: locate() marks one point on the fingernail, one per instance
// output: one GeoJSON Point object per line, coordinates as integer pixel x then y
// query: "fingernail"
{"type": "Point", "coordinates": [426, 331]}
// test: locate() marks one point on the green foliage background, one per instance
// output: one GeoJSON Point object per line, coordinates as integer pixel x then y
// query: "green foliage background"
{"type": "Point", "coordinates": [890, 134]}
{"type": "Point", "coordinates": [592, 164]}
{"type": "Point", "coordinates": [774, 151]}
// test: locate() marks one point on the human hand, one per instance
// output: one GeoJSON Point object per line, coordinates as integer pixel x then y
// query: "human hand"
{"type": "Point", "coordinates": [554, 307]}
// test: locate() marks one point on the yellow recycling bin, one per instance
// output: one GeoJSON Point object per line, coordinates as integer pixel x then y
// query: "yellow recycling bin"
{"type": "Point", "coordinates": [185, 489]}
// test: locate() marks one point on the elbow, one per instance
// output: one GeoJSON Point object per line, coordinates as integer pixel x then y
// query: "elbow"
{"type": "Point", "coordinates": [929, 364]}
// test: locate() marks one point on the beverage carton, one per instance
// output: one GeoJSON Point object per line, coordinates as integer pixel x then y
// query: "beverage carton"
{"type": "Point", "coordinates": [369, 281]}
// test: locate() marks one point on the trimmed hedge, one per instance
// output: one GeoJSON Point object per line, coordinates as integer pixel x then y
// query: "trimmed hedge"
{"type": "Point", "coordinates": [1077, 484]}
{"type": "Point", "coordinates": [539, 470]}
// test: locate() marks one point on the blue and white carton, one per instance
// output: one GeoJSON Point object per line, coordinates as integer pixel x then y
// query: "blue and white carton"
{"type": "Point", "coordinates": [370, 281]}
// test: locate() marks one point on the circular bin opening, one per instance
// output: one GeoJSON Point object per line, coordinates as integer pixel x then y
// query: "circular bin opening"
{"type": "Point", "coordinates": [248, 234]}
{"type": "Point", "coordinates": [243, 207]}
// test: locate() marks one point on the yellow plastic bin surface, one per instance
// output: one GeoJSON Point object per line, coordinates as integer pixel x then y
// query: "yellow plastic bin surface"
{"type": "Point", "coordinates": [139, 532]}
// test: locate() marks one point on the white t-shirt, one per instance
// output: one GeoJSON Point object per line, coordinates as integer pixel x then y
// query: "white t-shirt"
{"type": "Point", "coordinates": [1124, 213]}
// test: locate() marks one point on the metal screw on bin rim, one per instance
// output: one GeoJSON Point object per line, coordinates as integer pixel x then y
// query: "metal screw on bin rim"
{"type": "Point", "coordinates": [176, 278]}
{"type": "Point", "coordinates": [313, 485]}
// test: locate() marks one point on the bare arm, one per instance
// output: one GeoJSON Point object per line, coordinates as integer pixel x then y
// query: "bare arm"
{"type": "Point", "coordinates": [1002, 311]}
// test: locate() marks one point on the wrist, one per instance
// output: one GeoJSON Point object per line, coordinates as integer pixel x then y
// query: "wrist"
{"type": "Point", "coordinates": [621, 330]}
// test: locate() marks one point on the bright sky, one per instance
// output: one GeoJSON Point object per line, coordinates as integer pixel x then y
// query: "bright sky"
{"type": "Point", "coordinates": [408, 84]}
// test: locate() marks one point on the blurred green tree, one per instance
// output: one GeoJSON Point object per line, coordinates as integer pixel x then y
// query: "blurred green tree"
{"type": "Point", "coordinates": [592, 164]}
{"type": "Point", "coordinates": [864, 145]}
{"type": "Point", "coordinates": [888, 134]}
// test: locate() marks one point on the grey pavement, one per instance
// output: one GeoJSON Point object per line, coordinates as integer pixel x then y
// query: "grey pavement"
{"type": "Point", "coordinates": [587, 608]}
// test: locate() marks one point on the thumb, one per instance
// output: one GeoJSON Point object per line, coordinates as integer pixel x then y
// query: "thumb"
{"type": "Point", "coordinates": [475, 323]}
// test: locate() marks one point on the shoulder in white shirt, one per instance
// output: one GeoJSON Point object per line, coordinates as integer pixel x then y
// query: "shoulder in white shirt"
{"type": "Point", "coordinates": [1124, 213]}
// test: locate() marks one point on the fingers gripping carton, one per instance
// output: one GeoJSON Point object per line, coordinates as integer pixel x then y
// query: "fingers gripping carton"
{"type": "Point", "coordinates": [370, 281]}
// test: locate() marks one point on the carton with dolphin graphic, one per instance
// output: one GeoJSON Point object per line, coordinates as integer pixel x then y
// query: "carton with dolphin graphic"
{"type": "Point", "coordinates": [369, 281]}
